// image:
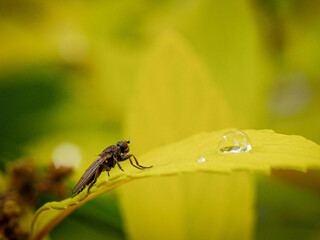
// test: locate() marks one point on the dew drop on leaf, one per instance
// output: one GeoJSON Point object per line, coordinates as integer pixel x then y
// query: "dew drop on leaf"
{"type": "Point", "coordinates": [234, 141]}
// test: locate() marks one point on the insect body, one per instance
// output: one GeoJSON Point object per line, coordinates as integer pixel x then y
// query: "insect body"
{"type": "Point", "coordinates": [107, 159]}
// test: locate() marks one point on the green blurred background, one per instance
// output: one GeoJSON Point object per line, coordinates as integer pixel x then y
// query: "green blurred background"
{"type": "Point", "coordinates": [68, 69]}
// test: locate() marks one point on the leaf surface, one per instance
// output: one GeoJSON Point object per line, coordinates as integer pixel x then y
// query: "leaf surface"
{"type": "Point", "coordinates": [270, 151]}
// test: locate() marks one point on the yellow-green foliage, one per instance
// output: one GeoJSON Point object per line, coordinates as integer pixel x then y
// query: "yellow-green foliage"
{"type": "Point", "coordinates": [270, 150]}
{"type": "Point", "coordinates": [173, 99]}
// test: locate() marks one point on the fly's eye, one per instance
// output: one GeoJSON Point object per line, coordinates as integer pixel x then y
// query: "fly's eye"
{"type": "Point", "coordinates": [124, 146]}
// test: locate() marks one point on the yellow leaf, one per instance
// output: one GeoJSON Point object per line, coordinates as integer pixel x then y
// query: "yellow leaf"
{"type": "Point", "coordinates": [181, 207]}
{"type": "Point", "coordinates": [270, 150]}
{"type": "Point", "coordinates": [226, 36]}
{"type": "Point", "coordinates": [175, 97]}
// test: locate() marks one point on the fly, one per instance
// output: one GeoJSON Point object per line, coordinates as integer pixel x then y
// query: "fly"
{"type": "Point", "coordinates": [110, 156]}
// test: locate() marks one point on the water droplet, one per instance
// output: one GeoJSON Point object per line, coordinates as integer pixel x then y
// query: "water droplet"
{"type": "Point", "coordinates": [234, 141]}
{"type": "Point", "coordinates": [201, 160]}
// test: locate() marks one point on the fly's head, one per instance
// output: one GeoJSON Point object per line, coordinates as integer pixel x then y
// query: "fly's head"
{"type": "Point", "coordinates": [124, 147]}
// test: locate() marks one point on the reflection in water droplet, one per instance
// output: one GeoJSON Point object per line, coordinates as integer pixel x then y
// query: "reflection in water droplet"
{"type": "Point", "coordinates": [234, 141]}
{"type": "Point", "coordinates": [201, 160]}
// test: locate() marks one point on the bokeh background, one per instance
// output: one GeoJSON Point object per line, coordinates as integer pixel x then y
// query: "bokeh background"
{"type": "Point", "coordinates": [68, 70]}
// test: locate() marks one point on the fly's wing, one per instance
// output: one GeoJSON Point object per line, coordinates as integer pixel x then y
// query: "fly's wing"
{"type": "Point", "coordinates": [89, 173]}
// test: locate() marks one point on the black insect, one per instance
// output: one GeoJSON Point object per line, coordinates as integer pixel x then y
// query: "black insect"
{"type": "Point", "coordinates": [107, 159]}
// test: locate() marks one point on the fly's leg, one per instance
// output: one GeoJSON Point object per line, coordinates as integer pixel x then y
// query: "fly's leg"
{"type": "Point", "coordinates": [123, 158]}
{"type": "Point", "coordinates": [115, 159]}
{"type": "Point", "coordinates": [94, 180]}
{"type": "Point", "coordinates": [138, 165]}
{"type": "Point", "coordinates": [81, 189]}
{"type": "Point", "coordinates": [135, 165]}
{"type": "Point", "coordinates": [138, 162]}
